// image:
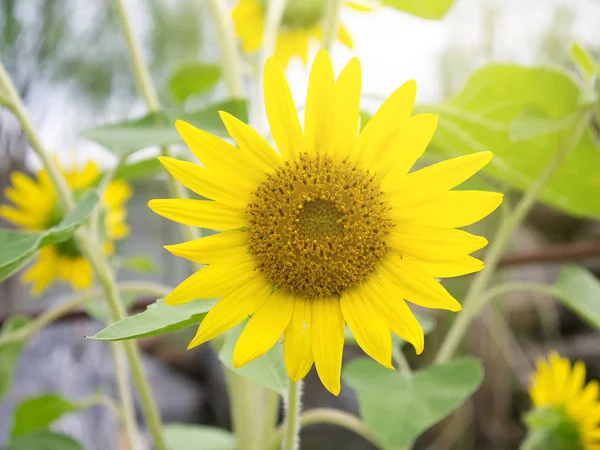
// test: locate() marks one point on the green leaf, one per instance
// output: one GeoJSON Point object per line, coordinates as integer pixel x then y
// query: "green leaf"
{"type": "Point", "coordinates": [9, 354]}
{"type": "Point", "coordinates": [145, 168]}
{"type": "Point", "coordinates": [580, 291]}
{"type": "Point", "coordinates": [426, 9]}
{"type": "Point", "coordinates": [192, 78]}
{"type": "Point", "coordinates": [190, 437]}
{"type": "Point", "coordinates": [98, 309]}
{"type": "Point", "coordinates": [267, 370]}
{"type": "Point", "coordinates": [158, 318]}
{"type": "Point", "coordinates": [398, 408]}
{"type": "Point", "coordinates": [139, 264]}
{"type": "Point", "coordinates": [158, 128]}
{"type": "Point", "coordinates": [481, 115]}
{"type": "Point", "coordinates": [37, 413]}
{"type": "Point", "coordinates": [531, 123]}
{"type": "Point", "coordinates": [44, 440]}
{"type": "Point", "coordinates": [17, 248]}
{"type": "Point", "coordinates": [582, 59]}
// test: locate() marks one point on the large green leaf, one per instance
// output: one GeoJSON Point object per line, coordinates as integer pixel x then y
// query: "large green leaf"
{"type": "Point", "coordinates": [426, 9]}
{"type": "Point", "coordinates": [541, 101]}
{"type": "Point", "coordinates": [267, 370]}
{"type": "Point", "coordinates": [44, 440]}
{"type": "Point", "coordinates": [582, 59]}
{"type": "Point", "coordinates": [580, 291]}
{"type": "Point", "coordinates": [159, 318]}
{"type": "Point", "coordinates": [140, 169]}
{"type": "Point", "coordinates": [157, 128]}
{"type": "Point", "coordinates": [192, 78]}
{"type": "Point", "coordinates": [9, 354]}
{"type": "Point", "coordinates": [37, 413]}
{"type": "Point", "coordinates": [17, 248]}
{"type": "Point", "coordinates": [193, 437]}
{"type": "Point", "coordinates": [398, 408]}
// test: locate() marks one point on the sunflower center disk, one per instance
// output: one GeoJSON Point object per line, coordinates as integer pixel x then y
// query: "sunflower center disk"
{"type": "Point", "coordinates": [317, 227]}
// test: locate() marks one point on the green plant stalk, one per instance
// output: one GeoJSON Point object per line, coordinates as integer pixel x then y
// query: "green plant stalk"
{"type": "Point", "coordinates": [475, 300]}
{"type": "Point", "coordinates": [147, 90]}
{"type": "Point", "coordinates": [331, 24]}
{"type": "Point", "coordinates": [332, 417]}
{"type": "Point", "coordinates": [400, 359]}
{"type": "Point", "coordinates": [246, 413]}
{"type": "Point", "coordinates": [293, 405]}
{"type": "Point", "coordinates": [270, 414]}
{"type": "Point", "coordinates": [230, 62]}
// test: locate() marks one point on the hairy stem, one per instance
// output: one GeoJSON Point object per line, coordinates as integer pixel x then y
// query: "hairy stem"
{"type": "Point", "coordinates": [331, 24]}
{"type": "Point", "coordinates": [293, 405]}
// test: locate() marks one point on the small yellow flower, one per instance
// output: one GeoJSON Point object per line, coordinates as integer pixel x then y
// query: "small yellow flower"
{"type": "Point", "coordinates": [36, 209]}
{"type": "Point", "coordinates": [558, 385]}
{"type": "Point", "coordinates": [302, 20]}
{"type": "Point", "coordinates": [331, 229]}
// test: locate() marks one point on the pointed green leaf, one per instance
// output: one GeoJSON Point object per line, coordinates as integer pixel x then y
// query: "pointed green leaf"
{"type": "Point", "coordinates": [17, 248]}
{"type": "Point", "coordinates": [580, 291]}
{"type": "Point", "coordinates": [398, 408]}
{"type": "Point", "coordinates": [9, 354]}
{"type": "Point", "coordinates": [145, 168]}
{"type": "Point", "coordinates": [37, 413]}
{"type": "Point", "coordinates": [44, 440]}
{"type": "Point", "coordinates": [192, 78]}
{"type": "Point", "coordinates": [426, 9]}
{"type": "Point", "coordinates": [158, 128]}
{"type": "Point", "coordinates": [98, 309]}
{"type": "Point", "coordinates": [532, 123]}
{"type": "Point", "coordinates": [267, 370]}
{"type": "Point", "coordinates": [582, 59]}
{"type": "Point", "coordinates": [192, 437]}
{"type": "Point", "coordinates": [159, 318]}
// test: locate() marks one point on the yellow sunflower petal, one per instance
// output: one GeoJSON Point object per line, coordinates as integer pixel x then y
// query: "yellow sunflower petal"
{"type": "Point", "coordinates": [399, 316]}
{"type": "Point", "coordinates": [116, 194]}
{"type": "Point", "coordinates": [327, 341]}
{"type": "Point", "coordinates": [199, 213]}
{"type": "Point", "coordinates": [20, 218]}
{"type": "Point", "coordinates": [264, 328]}
{"type": "Point", "coordinates": [460, 266]}
{"type": "Point", "coordinates": [252, 143]}
{"type": "Point", "coordinates": [320, 103]}
{"type": "Point", "coordinates": [435, 179]}
{"type": "Point", "coordinates": [362, 6]}
{"type": "Point", "coordinates": [453, 209]}
{"type": "Point", "coordinates": [199, 180]}
{"type": "Point", "coordinates": [281, 112]}
{"type": "Point", "coordinates": [381, 130]}
{"type": "Point", "coordinates": [247, 18]}
{"type": "Point", "coordinates": [347, 107]}
{"type": "Point", "coordinates": [220, 247]}
{"type": "Point", "coordinates": [404, 276]}
{"type": "Point", "coordinates": [42, 272]}
{"type": "Point", "coordinates": [297, 353]}
{"type": "Point", "coordinates": [213, 281]}
{"type": "Point", "coordinates": [344, 37]}
{"type": "Point", "coordinates": [368, 325]}
{"type": "Point", "coordinates": [433, 243]}
{"type": "Point", "coordinates": [233, 308]}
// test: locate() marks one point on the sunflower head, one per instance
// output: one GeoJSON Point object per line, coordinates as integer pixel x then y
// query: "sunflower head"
{"type": "Point", "coordinates": [35, 208]}
{"type": "Point", "coordinates": [330, 229]}
{"type": "Point", "coordinates": [566, 413]}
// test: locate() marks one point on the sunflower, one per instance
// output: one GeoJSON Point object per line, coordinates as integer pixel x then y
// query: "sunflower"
{"type": "Point", "coordinates": [301, 22]}
{"type": "Point", "coordinates": [560, 387]}
{"type": "Point", "coordinates": [331, 229]}
{"type": "Point", "coordinates": [36, 209]}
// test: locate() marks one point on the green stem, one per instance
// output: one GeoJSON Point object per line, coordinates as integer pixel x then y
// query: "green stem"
{"type": "Point", "coordinates": [271, 414]}
{"type": "Point", "coordinates": [332, 417]}
{"type": "Point", "coordinates": [245, 415]}
{"type": "Point", "coordinates": [401, 361]}
{"type": "Point", "coordinates": [232, 67]}
{"type": "Point", "coordinates": [147, 90]}
{"type": "Point", "coordinates": [331, 24]}
{"type": "Point", "coordinates": [291, 437]}
{"type": "Point", "coordinates": [475, 300]}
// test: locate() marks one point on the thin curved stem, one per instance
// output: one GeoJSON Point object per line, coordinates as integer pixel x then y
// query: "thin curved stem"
{"type": "Point", "coordinates": [232, 67]}
{"type": "Point", "coordinates": [329, 416]}
{"type": "Point", "coordinates": [475, 300]}
{"type": "Point", "coordinates": [331, 23]}
{"type": "Point", "coordinates": [291, 438]}
{"type": "Point", "coordinates": [400, 360]}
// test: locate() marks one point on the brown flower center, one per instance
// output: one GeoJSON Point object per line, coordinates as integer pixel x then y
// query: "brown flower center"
{"type": "Point", "coordinates": [317, 227]}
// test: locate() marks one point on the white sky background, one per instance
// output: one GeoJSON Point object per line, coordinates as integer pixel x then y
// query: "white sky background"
{"type": "Point", "coordinates": [393, 47]}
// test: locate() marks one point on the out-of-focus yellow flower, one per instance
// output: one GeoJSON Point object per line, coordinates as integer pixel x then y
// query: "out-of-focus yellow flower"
{"type": "Point", "coordinates": [36, 209]}
{"type": "Point", "coordinates": [560, 389]}
{"type": "Point", "coordinates": [302, 20]}
{"type": "Point", "coordinates": [330, 229]}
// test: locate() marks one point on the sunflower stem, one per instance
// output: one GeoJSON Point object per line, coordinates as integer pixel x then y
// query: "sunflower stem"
{"type": "Point", "coordinates": [401, 361]}
{"type": "Point", "coordinates": [147, 90]}
{"type": "Point", "coordinates": [331, 23]}
{"type": "Point", "coordinates": [246, 415]}
{"type": "Point", "coordinates": [328, 416]}
{"type": "Point", "coordinates": [271, 414]}
{"type": "Point", "coordinates": [232, 67]}
{"type": "Point", "coordinates": [475, 299]}
{"type": "Point", "coordinates": [293, 405]}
